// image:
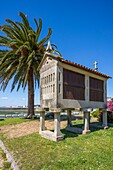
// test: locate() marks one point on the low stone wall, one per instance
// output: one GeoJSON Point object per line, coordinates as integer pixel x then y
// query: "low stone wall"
{"type": "Point", "coordinates": [9, 157]}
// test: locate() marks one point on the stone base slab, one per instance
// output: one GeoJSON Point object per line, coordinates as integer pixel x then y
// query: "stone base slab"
{"type": "Point", "coordinates": [50, 135]}
{"type": "Point", "coordinates": [86, 131]}
{"type": "Point", "coordinates": [74, 129]}
{"type": "Point", "coordinates": [105, 127]}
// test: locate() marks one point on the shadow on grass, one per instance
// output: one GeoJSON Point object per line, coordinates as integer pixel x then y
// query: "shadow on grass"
{"type": "Point", "coordinates": [110, 124]}
{"type": "Point", "coordinates": [1, 119]}
{"type": "Point", "coordinates": [94, 126]}
{"type": "Point", "coordinates": [68, 134]}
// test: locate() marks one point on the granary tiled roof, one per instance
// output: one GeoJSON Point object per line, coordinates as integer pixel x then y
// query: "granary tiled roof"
{"type": "Point", "coordinates": [82, 67]}
{"type": "Point", "coordinates": [74, 65]}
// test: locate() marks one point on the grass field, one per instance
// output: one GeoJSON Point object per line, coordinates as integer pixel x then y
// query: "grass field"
{"type": "Point", "coordinates": [76, 152]}
{"type": "Point", "coordinates": [12, 121]}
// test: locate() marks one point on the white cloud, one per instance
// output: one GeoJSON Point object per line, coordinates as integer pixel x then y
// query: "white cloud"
{"type": "Point", "coordinates": [4, 98]}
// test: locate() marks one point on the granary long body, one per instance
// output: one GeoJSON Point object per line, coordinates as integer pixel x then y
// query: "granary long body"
{"type": "Point", "coordinates": [68, 85]}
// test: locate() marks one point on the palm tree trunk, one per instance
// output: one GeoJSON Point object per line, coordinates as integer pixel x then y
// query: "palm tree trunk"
{"type": "Point", "coordinates": [30, 94]}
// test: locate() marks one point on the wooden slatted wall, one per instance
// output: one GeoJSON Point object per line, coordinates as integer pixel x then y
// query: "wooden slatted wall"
{"type": "Point", "coordinates": [73, 85]}
{"type": "Point", "coordinates": [96, 89]}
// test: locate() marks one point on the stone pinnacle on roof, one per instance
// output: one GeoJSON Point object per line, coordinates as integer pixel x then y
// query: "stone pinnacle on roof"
{"type": "Point", "coordinates": [49, 47]}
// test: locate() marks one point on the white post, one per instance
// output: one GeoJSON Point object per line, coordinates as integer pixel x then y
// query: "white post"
{"type": "Point", "coordinates": [86, 122]}
{"type": "Point", "coordinates": [69, 123]}
{"type": "Point", "coordinates": [42, 121]}
{"type": "Point", "coordinates": [104, 123]}
{"type": "Point", "coordinates": [57, 131]}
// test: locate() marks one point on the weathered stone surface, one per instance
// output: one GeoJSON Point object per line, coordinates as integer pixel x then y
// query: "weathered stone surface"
{"type": "Point", "coordinates": [42, 110]}
{"type": "Point", "coordinates": [86, 122]}
{"type": "Point", "coordinates": [69, 123]}
{"type": "Point", "coordinates": [86, 132]}
{"type": "Point", "coordinates": [53, 97]}
{"type": "Point", "coordinates": [56, 135]}
{"type": "Point", "coordinates": [55, 110]}
{"type": "Point", "coordinates": [51, 136]}
{"type": "Point", "coordinates": [42, 121]}
{"type": "Point", "coordinates": [104, 118]}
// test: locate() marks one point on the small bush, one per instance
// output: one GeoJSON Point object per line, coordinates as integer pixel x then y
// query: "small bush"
{"type": "Point", "coordinates": [95, 113]}
{"type": "Point", "coordinates": [109, 117]}
{"type": "Point", "coordinates": [99, 114]}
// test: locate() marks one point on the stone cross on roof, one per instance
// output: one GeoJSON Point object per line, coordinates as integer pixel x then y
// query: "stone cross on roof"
{"type": "Point", "coordinates": [95, 65]}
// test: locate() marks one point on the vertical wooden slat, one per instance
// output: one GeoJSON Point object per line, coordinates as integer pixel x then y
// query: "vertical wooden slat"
{"type": "Point", "coordinates": [96, 90]}
{"type": "Point", "coordinates": [73, 85]}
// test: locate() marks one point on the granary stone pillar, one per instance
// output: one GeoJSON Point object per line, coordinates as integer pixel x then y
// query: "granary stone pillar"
{"type": "Point", "coordinates": [57, 133]}
{"type": "Point", "coordinates": [42, 120]}
{"type": "Point", "coordinates": [104, 123]}
{"type": "Point", "coordinates": [69, 123]}
{"type": "Point", "coordinates": [86, 122]}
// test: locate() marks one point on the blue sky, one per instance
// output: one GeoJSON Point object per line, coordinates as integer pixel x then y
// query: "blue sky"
{"type": "Point", "coordinates": [82, 31]}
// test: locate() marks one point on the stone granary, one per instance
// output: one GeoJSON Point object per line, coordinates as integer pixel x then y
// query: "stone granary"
{"type": "Point", "coordinates": [70, 86]}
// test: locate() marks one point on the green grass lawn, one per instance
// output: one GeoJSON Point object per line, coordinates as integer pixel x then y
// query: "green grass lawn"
{"type": "Point", "coordinates": [76, 152]}
{"type": "Point", "coordinates": [12, 121]}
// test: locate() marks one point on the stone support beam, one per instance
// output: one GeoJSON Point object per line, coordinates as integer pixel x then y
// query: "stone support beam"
{"type": "Point", "coordinates": [86, 122]}
{"type": "Point", "coordinates": [69, 123]}
{"type": "Point", "coordinates": [42, 121]}
{"type": "Point", "coordinates": [104, 123]}
{"type": "Point", "coordinates": [57, 131]}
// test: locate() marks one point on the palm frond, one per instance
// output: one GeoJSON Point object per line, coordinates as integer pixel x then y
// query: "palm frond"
{"type": "Point", "coordinates": [15, 26]}
{"type": "Point", "coordinates": [24, 30]}
{"type": "Point", "coordinates": [57, 52]}
{"type": "Point", "coordinates": [24, 52]}
{"type": "Point", "coordinates": [24, 19]}
{"type": "Point", "coordinates": [39, 28]}
{"type": "Point", "coordinates": [4, 40]}
{"type": "Point", "coordinates": [46, 38]}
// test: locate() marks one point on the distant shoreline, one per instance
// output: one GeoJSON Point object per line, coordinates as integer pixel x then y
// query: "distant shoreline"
{"type": "Point", "coordinates": [13, 108]}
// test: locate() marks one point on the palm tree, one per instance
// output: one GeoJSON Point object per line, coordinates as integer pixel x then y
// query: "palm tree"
{"type": "Point", "coordinates": [20, 60]}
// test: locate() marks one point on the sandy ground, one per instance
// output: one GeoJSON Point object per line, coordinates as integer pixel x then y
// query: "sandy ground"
{"type": "Point", "coordinates": [23, 129]}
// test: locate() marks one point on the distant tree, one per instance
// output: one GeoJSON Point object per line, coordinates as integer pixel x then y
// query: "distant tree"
{"type": "Point", "coordinates": [22, 57]}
